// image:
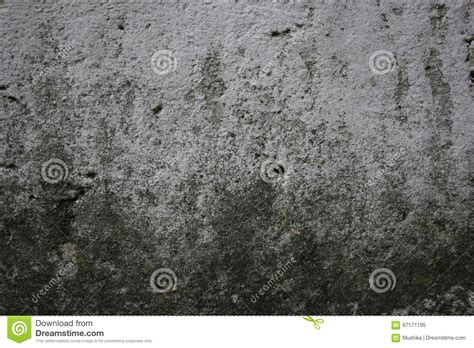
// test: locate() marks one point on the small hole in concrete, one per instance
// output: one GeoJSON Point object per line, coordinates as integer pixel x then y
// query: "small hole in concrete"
{"type": "Point", "coordinates": [157, 109]}
{"type": "Point", "coordinates": [121, 27]}
{"type": "Point", "coordinates": [276, 33]}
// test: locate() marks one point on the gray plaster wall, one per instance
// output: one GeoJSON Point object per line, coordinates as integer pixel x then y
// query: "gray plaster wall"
{"type": "Point", "coordinates": [236, 157]}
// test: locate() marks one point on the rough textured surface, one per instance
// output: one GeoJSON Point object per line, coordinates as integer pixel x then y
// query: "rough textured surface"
{"type": "Point", "coordinates": [366, 171]}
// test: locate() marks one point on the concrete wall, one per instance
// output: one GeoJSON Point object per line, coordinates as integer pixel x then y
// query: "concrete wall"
{"type": "Point", "coordinates": [237, 157]}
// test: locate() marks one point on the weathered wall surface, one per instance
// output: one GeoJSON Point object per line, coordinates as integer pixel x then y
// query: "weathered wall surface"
{"type": "Point", "coordinates": [263, 157]}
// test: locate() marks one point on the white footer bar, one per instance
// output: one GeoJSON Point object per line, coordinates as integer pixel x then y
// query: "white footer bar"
{"type": "Point", "coordinates": [224, 331]}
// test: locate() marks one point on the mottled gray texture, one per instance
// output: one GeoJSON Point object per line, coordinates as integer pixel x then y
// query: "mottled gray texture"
{"type": "Point", "coordinates": [164, 170]}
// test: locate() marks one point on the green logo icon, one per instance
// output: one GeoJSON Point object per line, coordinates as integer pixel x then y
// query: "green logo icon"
{"type": "Point", "coordinates": [395, 325]}
{"type": "Point", "coordinates": [395, 337]}
{"type": "Point", "coordinates": [315, 322]}
{"type": "Point", "coordinates": [19, 328]}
